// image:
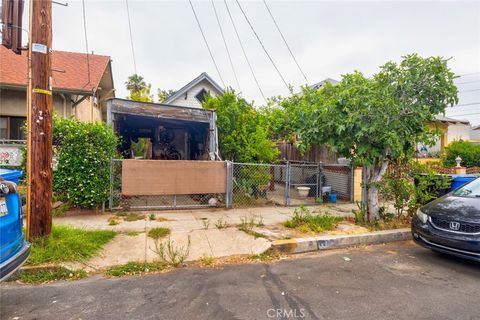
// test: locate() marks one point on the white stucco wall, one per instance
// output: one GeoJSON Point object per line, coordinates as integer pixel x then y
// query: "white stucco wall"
{"type": "Point", "coordinates": [458, 132]}
{"type": "Point", "coordinates": [475, 134]}
{"type": "Point", "coordinates": [188, 99]}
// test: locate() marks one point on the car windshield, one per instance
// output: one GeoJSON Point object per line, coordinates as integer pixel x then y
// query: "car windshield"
{"type": "Point", "coordinates": [469, 190]}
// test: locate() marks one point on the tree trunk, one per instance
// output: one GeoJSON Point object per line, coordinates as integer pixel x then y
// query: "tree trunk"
{"type": "Point", "coordinates": [374, 174]}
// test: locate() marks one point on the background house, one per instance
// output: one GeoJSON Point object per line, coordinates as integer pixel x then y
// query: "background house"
{"type": "Point", "coordinates": [193, 93]}
{"type": "Point", "coordinates": [81, 85]}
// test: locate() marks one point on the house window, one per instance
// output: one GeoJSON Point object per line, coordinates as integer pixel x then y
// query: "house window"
{"type": "Point", "coordinates": [11, 128]}
{"type": "Point", "coordinates": [201, 95]}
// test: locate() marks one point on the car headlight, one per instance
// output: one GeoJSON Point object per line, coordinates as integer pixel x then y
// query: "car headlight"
{"type": "Point", "coordinates": [422, 216]}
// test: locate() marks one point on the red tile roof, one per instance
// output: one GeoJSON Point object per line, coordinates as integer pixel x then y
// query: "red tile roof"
{"type": "Point", "coordinates": [70, 70]}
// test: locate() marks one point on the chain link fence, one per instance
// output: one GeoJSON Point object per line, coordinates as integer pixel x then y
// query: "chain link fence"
{"type": "Point", "coordinates": [249, 184]}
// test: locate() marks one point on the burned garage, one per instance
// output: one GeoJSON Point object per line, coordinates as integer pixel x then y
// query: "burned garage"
{"type": "Point", "coordinates": [167, 132]}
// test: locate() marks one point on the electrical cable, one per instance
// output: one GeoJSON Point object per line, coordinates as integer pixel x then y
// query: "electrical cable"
{"type": "Point", "coordinates": [131, 37]}
{"type": "Point", "coordinates": [86, 41]}
{"type": "Point", "coordinates": [226, 47]}
{"type": "Point", "coordinates": [285, 41]}
{"type": "Point", "coordinates": [244, 52]}
{"type": "Point", "coordinates": [206, 42]}
{"type": "Point", "coordinates": [263, 46]}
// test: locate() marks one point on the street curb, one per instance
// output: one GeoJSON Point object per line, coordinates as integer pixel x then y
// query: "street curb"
{"type": "Point", "coordinates": [300, 245]}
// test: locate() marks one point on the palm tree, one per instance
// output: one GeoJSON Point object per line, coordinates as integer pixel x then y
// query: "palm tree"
{"type": "Point", "coordinates": [135, 84]}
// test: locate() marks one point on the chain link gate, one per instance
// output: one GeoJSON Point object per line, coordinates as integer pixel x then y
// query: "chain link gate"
{"type": "Point", "coordinates": [250, 184]}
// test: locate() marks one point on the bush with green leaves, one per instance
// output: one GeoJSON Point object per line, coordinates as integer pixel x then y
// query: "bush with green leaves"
{"type": "Point", "coordinates": [469, 152]}
{"type": "Point", "coordinates": [410, 185]}
{"type": "Point", "coordinates": [242, 131]}
{"type": "Point", "coordinates": [84, 151]}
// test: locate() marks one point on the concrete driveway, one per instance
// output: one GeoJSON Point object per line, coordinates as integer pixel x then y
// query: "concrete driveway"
{"type": "Point", "coordinates": [394, 281]}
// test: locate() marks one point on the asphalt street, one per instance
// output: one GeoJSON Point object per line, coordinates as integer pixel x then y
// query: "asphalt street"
{"type": "Point", "coordinates": [394, 281]}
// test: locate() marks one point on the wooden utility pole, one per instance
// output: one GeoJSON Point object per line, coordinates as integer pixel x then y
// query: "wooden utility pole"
{"type": "Point", "coordinates": [39, 121]}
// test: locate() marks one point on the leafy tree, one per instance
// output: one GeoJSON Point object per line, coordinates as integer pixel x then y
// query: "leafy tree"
{"type": "Point", "coordinates": [139, 89]}
{"type": "Point", "coordinates": [374, 120]}
{"type": "Point", "coordinates": [164, 94]}
{"type": "Point", "coordinates": [135, 83]}
{"type": "Point", "coordinates": [242, 133]}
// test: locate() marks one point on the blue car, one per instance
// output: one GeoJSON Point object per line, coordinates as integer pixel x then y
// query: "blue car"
{"type": "Point", "coordinates": [14, 250]}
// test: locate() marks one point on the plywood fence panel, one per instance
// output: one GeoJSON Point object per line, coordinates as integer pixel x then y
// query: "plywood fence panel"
{"type": "Point", "coordinates": [169, 177]}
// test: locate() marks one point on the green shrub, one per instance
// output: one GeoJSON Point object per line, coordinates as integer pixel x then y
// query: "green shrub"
{"type": "Point", "coordinates": [469, 152]}
{"type": "Point", "coordinates": [84, 152]}
{"type": "Point", "coordinates": [305, 221]}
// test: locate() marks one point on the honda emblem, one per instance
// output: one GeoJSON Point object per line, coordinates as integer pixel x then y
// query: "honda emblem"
{"type": "Point", "coordinates": [454, 225]}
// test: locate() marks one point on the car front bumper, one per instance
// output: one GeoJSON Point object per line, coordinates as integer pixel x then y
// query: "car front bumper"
{"type": "Point", "coordinates": [11, 265]}
{"type": "Point", "coordinates": [464, 246]}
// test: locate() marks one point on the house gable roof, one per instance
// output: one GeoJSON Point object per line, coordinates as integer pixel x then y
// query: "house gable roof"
{"type": "Point", "coordinates": [320, 84]}
{"type": "Point", "coordinates": [451, 120]}
{"type": "Point", "coordinates": [191, 84]}
{"type": "Point", "coordinates": [70, 70]}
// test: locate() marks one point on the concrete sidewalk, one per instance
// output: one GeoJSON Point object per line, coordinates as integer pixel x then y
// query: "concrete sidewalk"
{"type": "Point", "coordinates": [200, 226]}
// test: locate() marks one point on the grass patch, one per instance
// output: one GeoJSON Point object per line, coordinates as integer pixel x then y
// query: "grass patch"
{"type": "Point", "coordinates": [159, 232]}
{"type": "Point", "coordinates": [207, 260]}
{"type": "Point", "coordinates": [266, 256]}
{"type": "Point", "coordinates": [305, 221]}
{"type": "Point", "coordinates": [151, 217]}
{"type": "Point", "coordinates": [113, 221]}
{"type": "Point", "coordinates": [134, 217]}
{"type": "Point", "coordinates": [61, 210]}
{"type": "Point", "coordinates": [162, 219]}
{"type": "Point", "coordinates": [171, 254]}
{"type": "Point", "coordinates": [67, 244]}
{"type": "Point", "coordinates": [133, 233]}
{"type": "Point", "coordinates": [132, 268]}
{"type": "Point", "coordinates": [247, 223]}
{"type": "Point", "coordinates": [52, 274]}
{"type": "Point", "coordinates": [221, 223]}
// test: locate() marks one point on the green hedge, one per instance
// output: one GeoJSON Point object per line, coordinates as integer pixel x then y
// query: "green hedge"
{"type": "Point", "coordinates": [469, 152]}
{"type": "Point", "coordinates": [84, 151]}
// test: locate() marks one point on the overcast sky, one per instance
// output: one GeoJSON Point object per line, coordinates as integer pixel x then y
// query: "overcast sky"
{"type": "Point", "coordinates": [328, 38]}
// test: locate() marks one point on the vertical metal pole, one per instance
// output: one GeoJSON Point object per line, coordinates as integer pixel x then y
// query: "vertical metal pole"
{"type": "Point", "coordinates": [229, 191]}
{"type": "Point", "coordinates": [110, 199]}
{"type": "Point", "coordinates": [350, 189]}
{"type": "Point", "coordinates": [364, 186]}
{"type": "Point", "coordinates": [287, 184]}
{"type": "Point", "coordinates": [318, 179]}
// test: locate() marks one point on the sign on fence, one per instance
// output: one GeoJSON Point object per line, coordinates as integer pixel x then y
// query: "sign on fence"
{"type": "Point", "coordinates": [11, 156]}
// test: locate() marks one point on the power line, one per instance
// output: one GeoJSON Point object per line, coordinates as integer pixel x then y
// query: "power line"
{"type": "Point", "coordinates": [86, 41]}
{"type": "Point", "coordinates": [466, 82]}
{"type": "Point", "coordinates": [466, 104]}
{"type": "Point", "coordinates": [131, 38]}
{"type": "Point", "coordinates": [243, 50]}
{"type": "Point", "coordinates": [468, 90]}
{"type": "Point", "coordinates": [261, 43]}
{"type": "Point", "coordinates": [285, 41]}
{"type": "Point", "coordinates": [226, 47]}
{"type": "Point", "coordinates": [468, 74]}
{"type": "Point", "coordinates": [206, 42]}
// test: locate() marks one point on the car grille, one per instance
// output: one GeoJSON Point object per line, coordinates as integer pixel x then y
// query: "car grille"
{"type": "Point", "coordinates": [464, 227]}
